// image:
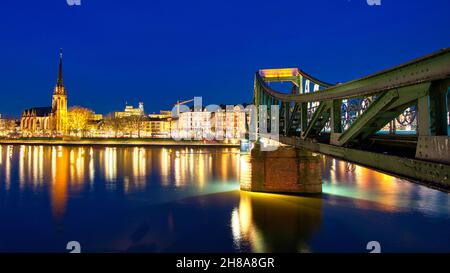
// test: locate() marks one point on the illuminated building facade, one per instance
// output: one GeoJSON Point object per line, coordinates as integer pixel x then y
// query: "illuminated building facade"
{"type": "Point", "coordinates": [48, 120]}
{"type": "Point", "coordinates": [158, 124]}
{"type": "Point", "coordinates": [231, 124]}
{"type": "Point", "coordinates": [165, 114]}
{"type": "Point", "coordinates": [194, 124]}
{"type": "Point", "coordinates": [220, 124]}
{"type": "Point", "coordinates": [93, 126]}
{"type": "Point", "coordinates": [130, 111]}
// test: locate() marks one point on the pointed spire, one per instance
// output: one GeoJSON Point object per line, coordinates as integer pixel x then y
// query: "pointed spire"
{"type": "Point", "coordinates": [60, 71]}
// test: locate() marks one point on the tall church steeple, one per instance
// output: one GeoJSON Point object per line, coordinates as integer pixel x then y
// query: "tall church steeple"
{"type": "Point", "coordinates": [60, 71]}
{"type": "Point", "coordinates": [59, 102]}
{"type": "Point", "coordinates": [59, 89]}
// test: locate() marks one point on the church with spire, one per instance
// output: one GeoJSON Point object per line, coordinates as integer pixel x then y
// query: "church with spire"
{"type": "Point", "coordinates": [48, 121]}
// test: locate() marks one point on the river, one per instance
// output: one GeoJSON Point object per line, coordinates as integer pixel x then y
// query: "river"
{"type": "Point", "coordinates": [161, 199]}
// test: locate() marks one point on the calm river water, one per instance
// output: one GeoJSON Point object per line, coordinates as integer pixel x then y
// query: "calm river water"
{"type": "Point", "coordinates": [134, 199]}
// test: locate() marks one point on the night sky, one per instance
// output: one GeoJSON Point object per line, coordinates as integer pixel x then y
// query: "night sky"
{"type": "Point", "coordinates": [161, 51]}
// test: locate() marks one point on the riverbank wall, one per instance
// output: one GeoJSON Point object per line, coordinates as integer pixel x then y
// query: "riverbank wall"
{"type": "Point", "coordinates": [116, 142]}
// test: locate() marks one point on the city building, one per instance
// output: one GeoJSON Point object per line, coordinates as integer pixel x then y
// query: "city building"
{"type": "Point", "coordinates": [193, 125]}
{"type": "Point", "coordinates": [94, 124]}
{"type": "Point", "coordinates": [229, 125]}
{"type": "Point", "coordinates": [48, 120]}
{"type": "Point", "coordinates": [162, 114]}
{"type": "Point", "coordinates": [95, 117]}
{"type": "Point", "coordinates": [157, 127]}
{"type": "Point", "coordinates": [159, 124]}
{"type": "Point", "coordinates": [219, 125]}
{"type": "Point", "coordinates": [130, 111]}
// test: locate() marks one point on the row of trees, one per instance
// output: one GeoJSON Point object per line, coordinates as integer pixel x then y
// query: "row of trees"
{"type": "Point", "coordinates": [80, 120]}
{"type": "Point", "coordinates": [8, 127]}
{"type": "Point", "coordinates": [125, 125]}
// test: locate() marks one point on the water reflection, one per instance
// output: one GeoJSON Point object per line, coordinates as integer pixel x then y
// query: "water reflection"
{"type": "Point", "coordinates": [275, 223]}
{"type": "Point", "coordinates": [184, 199]}
{"type": "Point", "coordinates": [370, 189]}
{"type": "Point", "coordinates": [367, 188]}
{"type": "Point", "coordinates": [60, 182]}
{"type": "Point", "coordinates": [65, 171]}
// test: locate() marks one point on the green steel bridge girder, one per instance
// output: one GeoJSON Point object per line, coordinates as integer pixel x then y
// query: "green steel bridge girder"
{"type": "Point", "coordinates": [423, 82]}
{"type": "Point", "coordinates": [318, 120]}
{"type": "Point", "coordinates": [384, 109]}
{"type": "Point", "coordinates": [433, 108]}
{"type": "Point", "coordinates": [291, 118]}
{"type": "Point", "coordinates": [430, 68]}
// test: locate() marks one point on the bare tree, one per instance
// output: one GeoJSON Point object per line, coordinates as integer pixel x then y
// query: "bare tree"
{"type": "Point", "coordinates": [114, 124]}
{"type": "Point", "coordinates": [78, 118]}
{"type": "Point", "coordinates": [135, 124]}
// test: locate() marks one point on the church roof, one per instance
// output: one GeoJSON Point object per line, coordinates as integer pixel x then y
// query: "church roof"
{"type": "Point", "coordinates": [40, 111]}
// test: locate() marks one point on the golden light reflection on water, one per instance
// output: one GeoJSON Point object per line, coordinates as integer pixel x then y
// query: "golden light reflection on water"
{"type": "Point", "coordinates": [371, 189]}
{"type": "Point", "coordinates": [165, 163]}
{"type": "Point", "coordinates": [242, 226]}
{"type": "Point", "coordinates": [66, 170]}
{"type": "Point", "coordinates": [8, 166]}
{"type": "Point", "coordinates": [110, 164]}
{"type": "Point", "coordinates": [271, 222]}
{"type": "Point", "coordinates": [59, 185]}
{"type": "Point", "coordinates": [257, 222]}
{"type": "Point", "coordinates": [245, 170]}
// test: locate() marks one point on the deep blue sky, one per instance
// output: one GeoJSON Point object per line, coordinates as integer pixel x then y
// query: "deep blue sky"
{"type": "Point", "coordinates": [160, 51]}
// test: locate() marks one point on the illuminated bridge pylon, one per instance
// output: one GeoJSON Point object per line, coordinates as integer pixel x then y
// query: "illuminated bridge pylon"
{"type": "Point", "coordinates": [396, 120]}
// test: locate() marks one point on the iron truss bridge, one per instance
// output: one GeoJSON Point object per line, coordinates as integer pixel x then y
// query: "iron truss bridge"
{"type": "Point", "coordinates": [395, 120]}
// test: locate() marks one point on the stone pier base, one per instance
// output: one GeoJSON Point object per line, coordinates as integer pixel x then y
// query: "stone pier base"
{"type": "Point", "coordinates": [286, 170]}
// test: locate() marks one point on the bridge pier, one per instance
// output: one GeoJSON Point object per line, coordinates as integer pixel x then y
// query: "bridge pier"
{"type": "Point", "coordinates": [286, 170]}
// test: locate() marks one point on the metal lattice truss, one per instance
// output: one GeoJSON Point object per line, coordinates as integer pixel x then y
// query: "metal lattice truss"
{"type": "Point", "coordinates": [415, 92]}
